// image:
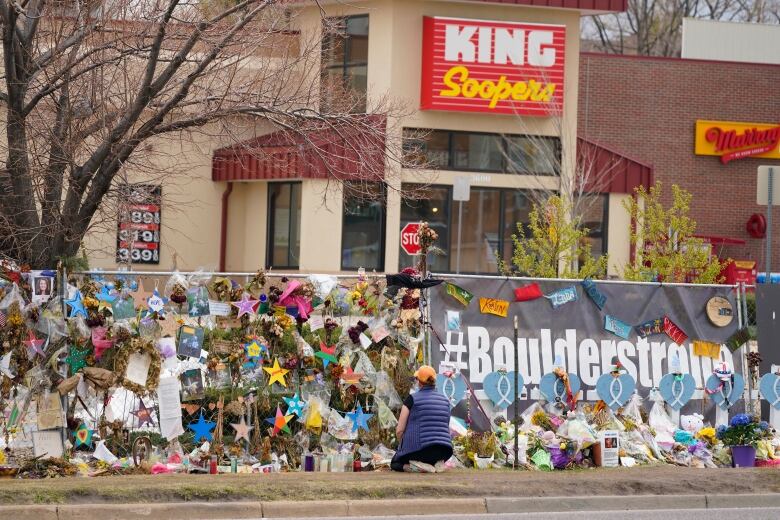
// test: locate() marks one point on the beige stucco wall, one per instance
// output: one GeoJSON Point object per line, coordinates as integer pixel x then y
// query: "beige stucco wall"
{"type": "Point", "coordinates": [618, 234]}
{"type": "Point", "coordinates": [192, 211]}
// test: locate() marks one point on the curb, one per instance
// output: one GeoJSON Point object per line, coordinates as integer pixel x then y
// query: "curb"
{"type": "Point", "coordinates": [369, 508]}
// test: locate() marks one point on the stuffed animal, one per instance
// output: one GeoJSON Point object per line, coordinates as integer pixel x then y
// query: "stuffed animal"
{"type": "Point", "coordinates": [692, 423]}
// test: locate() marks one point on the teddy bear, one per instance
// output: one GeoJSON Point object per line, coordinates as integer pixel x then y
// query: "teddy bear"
{"type": "Point", "coordinates": [692, 423]}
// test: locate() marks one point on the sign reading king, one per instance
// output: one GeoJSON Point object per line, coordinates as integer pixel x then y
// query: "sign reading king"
{"type": "Point", "coordinates": [730, 140]}
{"type": "Point", "coordinates": [490, 66]}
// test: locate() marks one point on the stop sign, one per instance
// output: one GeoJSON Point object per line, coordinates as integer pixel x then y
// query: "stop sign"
{"type": "Point", "coordinates": [410, 242]}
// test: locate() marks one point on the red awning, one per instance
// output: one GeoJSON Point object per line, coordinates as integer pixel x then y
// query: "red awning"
{"type": "Point", "coordinates": [605, 170]}
{"type": "Point", "coordinates": [343, 150]}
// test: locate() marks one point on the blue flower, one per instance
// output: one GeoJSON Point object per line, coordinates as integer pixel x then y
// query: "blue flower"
{"type": "Point", "coordinates": [741, 419]}
{"type": "Point", "coordinates": [720, 431]}
{"type": "Point", "coordinates": [763, 425]}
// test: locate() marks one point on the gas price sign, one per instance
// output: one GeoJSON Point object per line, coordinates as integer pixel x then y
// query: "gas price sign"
{"type": "Point", "coordinates": [138, 237]}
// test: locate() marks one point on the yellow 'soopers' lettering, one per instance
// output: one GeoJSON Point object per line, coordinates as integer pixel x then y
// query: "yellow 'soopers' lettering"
{"type": "Point", "coordinates": [458, 83]}
{"type": "Point", "coordinates": [454, 88]}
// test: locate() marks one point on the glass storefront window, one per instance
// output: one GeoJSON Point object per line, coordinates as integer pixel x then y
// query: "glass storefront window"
{"type": "Point", "coordinates": [344, 78]}
{"type": "Point", "coordinates": [477, 152]}
{"type": "Point", "coordinates": [284, 224]}
{"type": "Point", "coordinates": [481, 238]}
{"type": "Point", "coordinates": [517, 206]}
{"type": "Point", "coordinates": [430, 204]}
{"type": "Point", "coordinates": [532, 155]}
{"type": "Point", "coordinates": [594, 214]}
{"type": "Point", "coordinates": [468, 151]}
{"type": "Point", "coordinates": [363, 230]}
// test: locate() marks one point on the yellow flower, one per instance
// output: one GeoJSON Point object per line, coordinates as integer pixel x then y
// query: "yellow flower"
{"type": "Point", "coordinates": [707, 434]}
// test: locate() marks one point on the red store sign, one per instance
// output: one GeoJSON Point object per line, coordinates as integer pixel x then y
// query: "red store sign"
{"type": "Point", "coordinates": [494, 67]}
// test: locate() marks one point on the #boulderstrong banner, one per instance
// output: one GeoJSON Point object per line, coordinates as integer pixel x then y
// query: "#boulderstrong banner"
{"type": "Point", "coordinates": [479, 343]}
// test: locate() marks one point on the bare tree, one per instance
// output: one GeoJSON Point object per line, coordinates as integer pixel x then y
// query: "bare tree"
{"type": "Point", "coordinates": [654, 27]}
{"type": "Point", "coordinates": [95, 92]}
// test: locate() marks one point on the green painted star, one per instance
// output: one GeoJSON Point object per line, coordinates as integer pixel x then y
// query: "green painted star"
{"type": "Point", "coordinates": [77, 359]}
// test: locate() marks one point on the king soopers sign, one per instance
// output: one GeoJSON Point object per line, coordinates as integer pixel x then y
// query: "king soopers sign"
{"type": "Point", "coordinates": [490, 66]}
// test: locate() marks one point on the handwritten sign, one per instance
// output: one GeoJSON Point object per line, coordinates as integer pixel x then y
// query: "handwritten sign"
{"type": "Point", "coordinates": [650, 327]}
{"type": "Point", "coordinates": [617, 327]}
{"type": "Point", "coordinates": [562, 296]}
{"type": "Point", "coordinates": [493, 306]}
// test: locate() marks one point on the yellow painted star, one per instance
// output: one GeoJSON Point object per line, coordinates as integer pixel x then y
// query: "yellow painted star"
{"type": "Point", "coordinates": [276, 374]}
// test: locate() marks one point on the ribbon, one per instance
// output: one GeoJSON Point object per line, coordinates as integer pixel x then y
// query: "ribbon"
{"type": "Point", "coordinates": [617, 327]}
{"type": "Point", "coordinates": [448, 389]}
{"type": "Point", "coordinates": [615, 397]}
{"type": "Point", "coordinates": [460, 294]}
{"type": "Point", "coordinates": [777, 393]}
{"type": "Point", "coordinates": [677, 383]}
{"type": "Point", "coordinates": [503, 382]}
{"type": "Point", "coordinates": [593, 292]}
{"type": "Point", "coordinates": [650, 327]}
{"type": "Point", "coordinates": [674, 332]}
{"type": "Point", "coordinates": [562, 296]}
{"type": "Point", "coordinates": [720, 388]}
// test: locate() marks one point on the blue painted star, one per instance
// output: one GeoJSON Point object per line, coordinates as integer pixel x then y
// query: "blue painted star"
{"type": "Point", "coordinates": [359, 419]}
{"type": "Point", "coordinates": [202, 428]}
{"type": "Point", "coordinates": [295, 405]}
{"type": "Point", "coordinates": [254, 352]}
{"type": "Point", "coordinates": [156, 303]}
{"type": "Point", "coordinates": [76, 305]}
{"type": "Point", "coordinates": [106, 294]}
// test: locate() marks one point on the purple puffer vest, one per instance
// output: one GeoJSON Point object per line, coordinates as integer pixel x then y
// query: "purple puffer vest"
{"type": "Point", "coordinates": [429, 422]}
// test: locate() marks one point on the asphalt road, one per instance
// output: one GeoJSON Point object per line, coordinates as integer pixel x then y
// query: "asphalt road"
{"type": "Point", "coordinates": [768, 513]}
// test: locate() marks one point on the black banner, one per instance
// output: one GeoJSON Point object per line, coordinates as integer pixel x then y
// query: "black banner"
{"type": "Point", "coordinates": [476, 343]}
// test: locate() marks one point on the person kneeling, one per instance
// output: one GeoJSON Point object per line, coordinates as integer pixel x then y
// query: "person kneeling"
{"type": "Point", "coordinates": [423, 428]}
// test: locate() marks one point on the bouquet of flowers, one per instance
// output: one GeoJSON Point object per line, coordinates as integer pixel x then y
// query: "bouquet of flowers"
{"type": "Point", "coordinates": [743, 430]}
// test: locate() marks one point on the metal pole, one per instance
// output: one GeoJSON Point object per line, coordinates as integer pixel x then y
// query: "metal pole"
{"type": "Point", "coordinates": [746, 373]}
{"type": "Point", "coordinates": [517, 383]}
{"type": "Point", "coordinates": [460, 232]}
{"type": "Point", "coordinates": [770, 181]}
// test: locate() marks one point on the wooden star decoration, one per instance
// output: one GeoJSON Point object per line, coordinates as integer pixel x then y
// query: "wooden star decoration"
{"type": "Point", "coordinates": [326, 354]}
{"type": "Point", "coordinates": [143, 414]}
{"type": "Point", "coordinates": [246, 305]}
{"type": "Point", "coordinates": [76, 305]}
{"type": "Point", "coordinates": [242, 430]}
{"type": "Point", "coordinates": [359, 418]}
{"type": "Point", "coordinates": [279, 422]}
{"type": "Point", "coordinates": [202, 428]}
{"type": "Point", "coordinates": [34, 343]}
{"type": "Point", "coordinates": [77, 359]}
{"type": "Point", "coordinates": [276, 374]}
{"type": "Point", "coordinates": [351, 377]}
{"type": "Point", "coordinates": [295, 405]}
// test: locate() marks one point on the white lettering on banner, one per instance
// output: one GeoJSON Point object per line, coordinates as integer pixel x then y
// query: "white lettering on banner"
{"type": "Point", "coordinates": [498, 45]}
{"type": "Point", "coordinates": [588, 358]}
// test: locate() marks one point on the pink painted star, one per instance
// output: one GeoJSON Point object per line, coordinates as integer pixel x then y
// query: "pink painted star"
{"type": "Point", "coordinates": [246, 305]}
{"type": "Point", "coordinates": [34, 343]}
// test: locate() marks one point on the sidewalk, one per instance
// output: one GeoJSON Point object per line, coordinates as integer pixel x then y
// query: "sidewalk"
{"type": "Point", "coordinates": [660, 480]}
{"type": "Point", "coordinates": [192, 497]}
{"type": "Point", "coordinates": [369, 508]}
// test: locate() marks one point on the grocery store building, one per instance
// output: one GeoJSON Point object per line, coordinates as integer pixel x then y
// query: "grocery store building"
{"type": "Point", "coordinates": [500, 98]}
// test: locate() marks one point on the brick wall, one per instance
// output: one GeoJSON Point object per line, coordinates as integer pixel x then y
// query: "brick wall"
{"type": "Point", "coordinates": [647, 108]}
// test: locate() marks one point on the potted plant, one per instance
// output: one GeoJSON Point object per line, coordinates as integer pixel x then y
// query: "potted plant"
{"type": "Point", "coordinates": [741, 435]}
